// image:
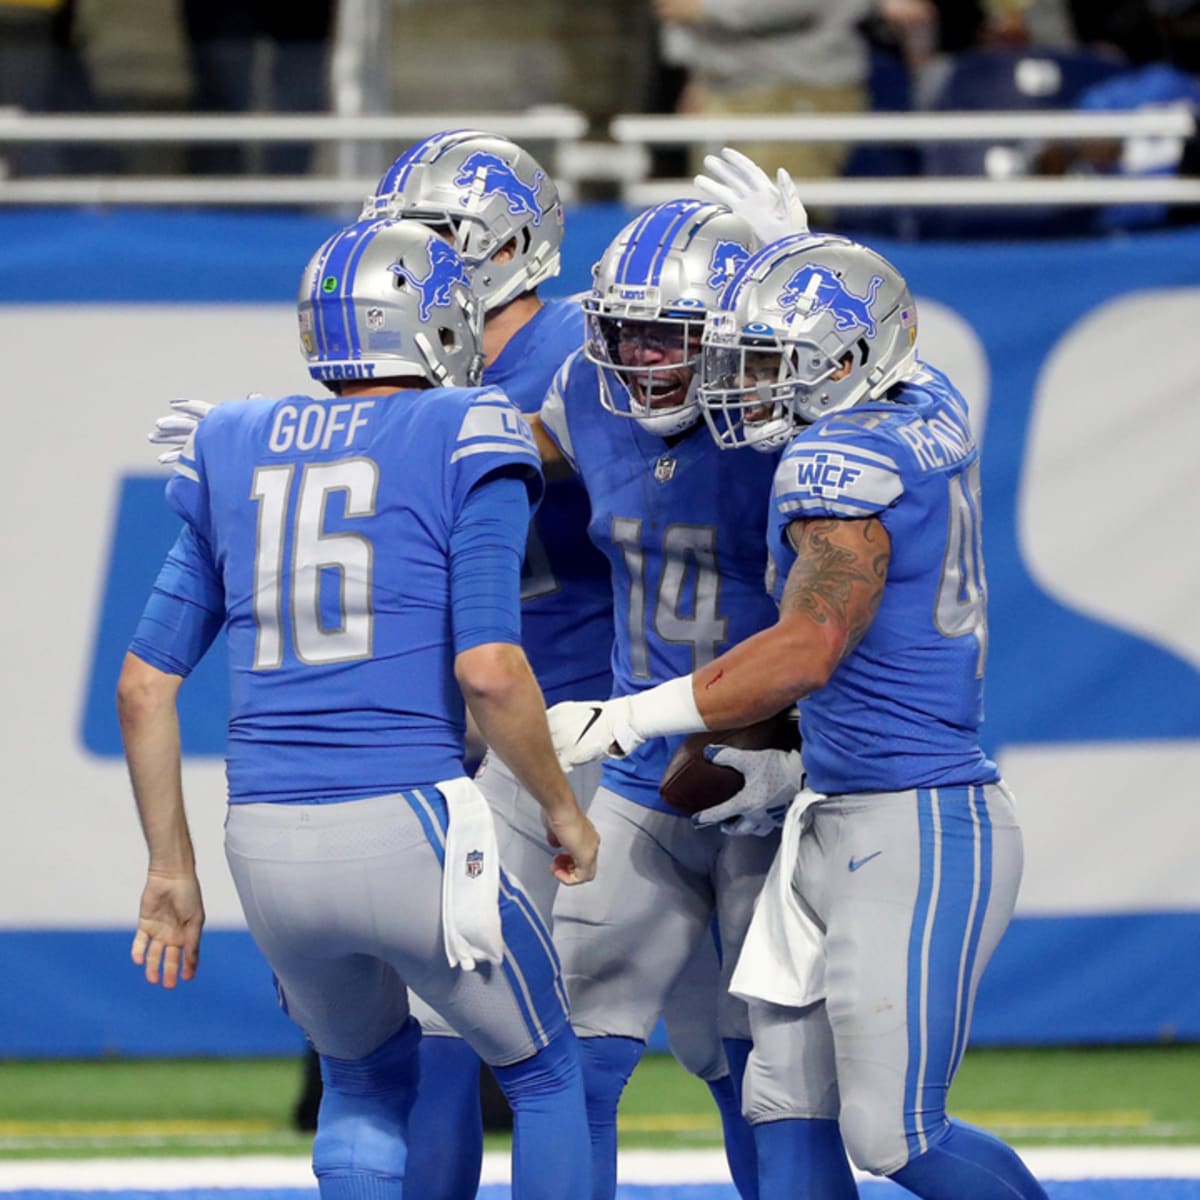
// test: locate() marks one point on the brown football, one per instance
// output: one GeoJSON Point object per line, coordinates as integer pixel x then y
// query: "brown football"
{"type": "Point", "coordinates": [691, 783]}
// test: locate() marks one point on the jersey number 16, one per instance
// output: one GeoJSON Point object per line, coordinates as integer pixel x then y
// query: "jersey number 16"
{"type": "Point", "coordinates": [310, 553]}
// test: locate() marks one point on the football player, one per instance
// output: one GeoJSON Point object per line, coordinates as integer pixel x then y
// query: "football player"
{"type": "Point", "coordinates": [364, 554]}
{"type": "Point", "coordinates": [501, 211]}
{"type": "Point", "coordinates": [898, 875]}
{"type": "Point", "coordinates": [683, 527]}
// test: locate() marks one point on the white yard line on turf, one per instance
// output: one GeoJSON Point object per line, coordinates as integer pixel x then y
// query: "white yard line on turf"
{"type": "Point", "coordinates": [636, 1166]}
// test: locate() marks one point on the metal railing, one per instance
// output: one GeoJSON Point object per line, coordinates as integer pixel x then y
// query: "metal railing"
{"type": "Point", "coordinates": [902, 127]}
{"type": "Point", "coordinates": [554, 126]}
{"type": "Point", "coordinates": [576, 162]}
{"type": "Point", "coordinates": [711, 132]}
{"type": "Point", "coordinates": [954, 191]}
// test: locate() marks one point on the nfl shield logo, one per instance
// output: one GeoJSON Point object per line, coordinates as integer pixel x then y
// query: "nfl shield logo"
{"type": "Point", "coordinates": [374, 318]}
{"type": "Point", "coordinates": [474, 864]}
{"type": "Point", "coordinates": [664, 469]}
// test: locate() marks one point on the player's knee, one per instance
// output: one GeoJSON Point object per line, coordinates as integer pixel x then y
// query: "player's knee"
{"type": "Point", "coordinates": [364, 1108]}
{"type": "Point", "coordinates": [552, 1072]}
{"type": "Point", "coordinates": [390, 1067]}
{"type": "Point", "coordinates": [872, 1144]}
{"type": "Point", "coordinates": [697, 1049]}
{"type": "Point", "coordinates": [607, 1064]}
{"type": "Point", "coordinates": [773, 1091]}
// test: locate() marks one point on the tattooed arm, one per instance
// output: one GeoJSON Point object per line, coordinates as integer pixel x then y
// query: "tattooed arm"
{"type": "Point", "coordinates": [829, 600]}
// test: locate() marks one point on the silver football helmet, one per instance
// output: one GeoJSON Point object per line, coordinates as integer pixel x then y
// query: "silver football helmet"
{"type": "Point", "coordinates": [487, 191]}
{"type": "Point", "coordinates": [384, 299]}
{"type": "Point", "coordinates": [645, 312]}
{"type": "Point", "coordinates": [813, 324]}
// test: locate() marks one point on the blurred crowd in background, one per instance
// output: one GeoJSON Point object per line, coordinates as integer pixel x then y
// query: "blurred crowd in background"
{"type": "Point", "coordinates": [625, 56]}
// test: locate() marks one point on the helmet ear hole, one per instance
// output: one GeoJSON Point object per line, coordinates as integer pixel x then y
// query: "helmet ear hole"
{"type": "Point", "coordinates": [447, 338]}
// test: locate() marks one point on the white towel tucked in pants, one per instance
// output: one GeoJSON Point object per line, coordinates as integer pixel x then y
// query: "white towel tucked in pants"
{"type": "Point", "coordinates": [782, 959]}
{"type": "Point", "coordinates": [470, 878]}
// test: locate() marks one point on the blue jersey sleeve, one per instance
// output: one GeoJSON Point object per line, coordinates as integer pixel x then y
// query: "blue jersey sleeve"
{"type": "Point", "coordinates": [493, 436]}
{"type": "Point", "coordinates": [841, 471]}
{"type": "Point", "coordinates": [185, 611]}
{"type": "Point", "coordinates": [487, 545]}
{"type": "Point", "coordinates": [187, 489]}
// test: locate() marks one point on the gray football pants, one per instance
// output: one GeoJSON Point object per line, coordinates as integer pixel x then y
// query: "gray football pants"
{"type": "Point", "coordinates": [913, 891]}
{"type": "Point", "coordinates": [659, 883]}
{"type": "Point", "coordinates": [344, 901]}
{"type": "Point", "coordinates": [691, 1007]}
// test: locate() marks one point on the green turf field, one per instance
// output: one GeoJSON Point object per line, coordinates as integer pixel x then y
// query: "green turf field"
{"type": "Point", "coordinates": [1145, 1095]}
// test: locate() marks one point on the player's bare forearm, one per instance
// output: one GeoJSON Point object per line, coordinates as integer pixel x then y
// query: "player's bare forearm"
{"type": "Point", "coordinates": [150, 730]}
{"type": "Point", "coordinates": [758, 677]}
{"type": "Point", "coordinates": [832, 593]}
{"type": "Point", "coordinates": [171, 911]}
{"type": "Point", "coordinates": [506, 703]}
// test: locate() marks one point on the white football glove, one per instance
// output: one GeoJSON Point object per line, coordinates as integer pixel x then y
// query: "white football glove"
{"type": "Point", "coordinates": [774, 209]}
{"type": "Point", "coordinates": [773, 777]}
{"type": "Point", "coordinates": [583, 731]}
{"type": "Point", "coordinates": [174, 429]}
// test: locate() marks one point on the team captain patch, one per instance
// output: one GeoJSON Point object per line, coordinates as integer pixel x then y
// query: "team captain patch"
{"type": "Point", "coordinates": [826, 475]}
{"type": "Point", "coordinates": [842, 480]}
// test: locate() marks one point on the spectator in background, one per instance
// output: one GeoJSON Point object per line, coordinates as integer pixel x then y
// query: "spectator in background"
{"type": "Point", "coordinates": [1144, 31]}
{"type": "Point", "coordinates": [41, 71]}
{"type": "Point", "coordinates": [921, 29]}
{"type": "Point", "coordinates": [1125, 25]}
{"type": "Point", "coordinates": [1027, 23]}
{"type": "Point", "coordinates": [224, 37]}
{"type": "Point", "coordinates": [771, 56]}
{"type": "Point", "coordinates": [27, 44]}
{"type": "Point", "coordinates": [910, 41]}
{"type": "Point", "coordinates": [1161, 38]}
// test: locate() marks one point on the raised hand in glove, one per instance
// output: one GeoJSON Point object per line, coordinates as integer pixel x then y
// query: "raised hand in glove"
{"type": "Point", "coordinates": [179, 424]}
{"type": "Point", "coordinates": [774, 209]}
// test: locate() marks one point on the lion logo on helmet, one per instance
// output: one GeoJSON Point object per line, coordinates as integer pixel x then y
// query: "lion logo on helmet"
{"type": "Point", "coordinates": [499, 178]}
{"type": "Point", "coordinates": [824, 291]}
{"type": "Point", "coordinates": [445, 270]}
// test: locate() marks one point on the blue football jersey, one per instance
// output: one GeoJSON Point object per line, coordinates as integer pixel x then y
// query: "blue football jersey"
{"type": "Point", "coordinates": [903, 709]}
{"type": "Point", "coordinates": [680, 525]}
{"type": "Point", "coordinates": [328, 524]}
{"type": "Point", "coordinates": [566, 596]}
